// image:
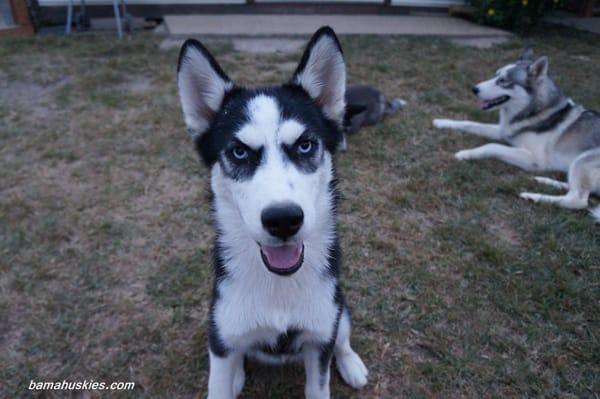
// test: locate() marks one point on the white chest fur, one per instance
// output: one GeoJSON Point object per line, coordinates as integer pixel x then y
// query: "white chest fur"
{"type": "Point", "coordinates": [257, 307]}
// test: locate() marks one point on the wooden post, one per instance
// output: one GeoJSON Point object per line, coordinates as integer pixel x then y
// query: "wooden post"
{"type": "Point", "coordinates": [21, 17]}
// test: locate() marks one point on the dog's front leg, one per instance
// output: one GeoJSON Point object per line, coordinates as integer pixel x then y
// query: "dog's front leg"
{"type": "Point", "coordinates": [349, 364]}
{"type": "Point", "coordinates": [515, 156]}
{"type": "Point", "coordinates": [223, 379]}
{"type": "Point", "coordinates": [490, 131]}
{"type": "Point", "coordinates": [317, 365]}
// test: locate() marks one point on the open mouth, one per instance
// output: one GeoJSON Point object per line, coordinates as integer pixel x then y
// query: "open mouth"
{"type": "Point", "coordinates": [488, 104]}
{"type": "Point", "coordinates": [284, 259]}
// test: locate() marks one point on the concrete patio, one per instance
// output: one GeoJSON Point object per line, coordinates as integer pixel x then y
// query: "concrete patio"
{"type": "Point", "coordinates": [589, 24]}
{"type": "Point", "coordinates": [262, 28]}
{"type": "Point", "coordinates": [294, 25]}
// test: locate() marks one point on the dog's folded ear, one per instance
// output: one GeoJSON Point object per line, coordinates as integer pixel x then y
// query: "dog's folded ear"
{"type": "Point", "coordinates": [322, 73]}
{"type": "Point", "coordinates": [526, 54]}
{"type": "Point", "coordinates": [202, 86]}
{"type": "Point", "coordinates": [539, 68]}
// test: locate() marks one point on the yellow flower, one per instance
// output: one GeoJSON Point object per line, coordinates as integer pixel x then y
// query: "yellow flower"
{"type": "Point", "coordinates": [491, 12]}
{"type": "Point", "coordinates": [525, 2]}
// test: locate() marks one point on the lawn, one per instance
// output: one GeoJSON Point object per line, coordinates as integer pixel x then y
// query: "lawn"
{"type": "Point", "coordinates": [458, 287]}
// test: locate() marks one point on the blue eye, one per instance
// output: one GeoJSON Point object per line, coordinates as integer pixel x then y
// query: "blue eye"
{"type": "Point", "coordinates": [240, 153]}
{"type": "Point", "coordinates": [305, 147]}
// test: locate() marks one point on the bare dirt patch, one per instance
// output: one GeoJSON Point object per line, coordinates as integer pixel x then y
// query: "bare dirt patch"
{"type": "Point", "coordinates": [267, 46]}
{"type": "Point", "coordinates": [28, 96]}
{"type": "Point", "coordinates": [136, 85]}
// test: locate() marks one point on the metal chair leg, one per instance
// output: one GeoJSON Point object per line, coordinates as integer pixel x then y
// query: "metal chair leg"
{"type": "Point", "coordinates": [69, 17]}
{"type": "Point", "coordinates": [117, 18]}
{"type": "Point", "coordinates": [126, 17]}
{"type": "Point", "coordinates": [84, 22]}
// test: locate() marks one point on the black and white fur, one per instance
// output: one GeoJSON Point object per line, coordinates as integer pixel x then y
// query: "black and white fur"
{"type": "Point", "coordinates": [269, 151]}
{"type": "Point", "coordinates": [543, 131]}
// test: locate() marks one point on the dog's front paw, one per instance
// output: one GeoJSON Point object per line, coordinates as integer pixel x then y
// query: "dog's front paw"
{"type": "Point", "coordinates": [352, 369]}
{"type": "Point", "coordinates": [465, 154]}
{"type": "Point", "coordinates": [443, 123]}
{"type": "Point", "coordinates": [531, 196]}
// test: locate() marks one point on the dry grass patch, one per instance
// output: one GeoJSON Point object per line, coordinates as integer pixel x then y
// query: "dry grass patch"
{"type": "Point", "coordinates": [458, 288]}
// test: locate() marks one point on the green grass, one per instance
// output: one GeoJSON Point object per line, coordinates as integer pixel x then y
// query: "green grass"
{"type": "Point", "coordinates": [458, 287]}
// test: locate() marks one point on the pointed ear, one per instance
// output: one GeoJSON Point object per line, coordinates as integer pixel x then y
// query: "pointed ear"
{"type": "Point", "coordinates": [202, 86]}
{"type": "Point", "coordinates": [322, 73]}
{"type": "Point", "coordinates": [526, 54]}
{"type": "Point", "coordinates": [539, 68]}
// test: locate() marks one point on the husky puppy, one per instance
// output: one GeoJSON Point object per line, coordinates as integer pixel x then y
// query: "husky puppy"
{"type": "Point", "coordinates": [366, 106]}
{"type": "Point", "coordinates": [543, 130]}
{"type": "Point", "coordinates": [276, 292]}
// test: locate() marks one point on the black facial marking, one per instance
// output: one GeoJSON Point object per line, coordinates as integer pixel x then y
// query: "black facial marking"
{"type": "Point", "coordinates": [237, 167]}
{"type": "Point", "coordinates": [304, 153]}
{"type": "Point", "coordinates": [217, 144]}
{"type": "Point", "coordinates": [229, 119]}
{"type": "Point", "coordinates": [515, 76]}
{"type": "Point", "coordinates": [296, 104]}
{"type": "Point", "coordinates": [505, 82]}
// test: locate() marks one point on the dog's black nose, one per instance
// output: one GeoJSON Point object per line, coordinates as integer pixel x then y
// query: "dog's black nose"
{"type": "Point", "coordinates": [475, 90]}
{"type": "Point", "coordinates": [283, 220]}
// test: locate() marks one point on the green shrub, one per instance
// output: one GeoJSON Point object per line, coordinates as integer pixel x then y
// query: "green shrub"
{"type": "Point", "coordinates": [519, 15]}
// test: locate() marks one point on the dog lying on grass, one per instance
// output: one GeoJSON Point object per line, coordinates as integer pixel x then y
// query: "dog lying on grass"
{"type": "Point", "coordinates": [542, 128]}
{"type": "Point", "coordinates": [366, 106]}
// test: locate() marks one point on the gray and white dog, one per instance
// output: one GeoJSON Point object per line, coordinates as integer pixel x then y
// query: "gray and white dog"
{"type": "Point", "coordinates": [542, 128]}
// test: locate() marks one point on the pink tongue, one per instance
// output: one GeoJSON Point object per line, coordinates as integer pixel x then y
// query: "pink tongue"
{"type": "Point", "coordinates": [483, 104]}
{"type": "Point", "coordinates": [282, 257]}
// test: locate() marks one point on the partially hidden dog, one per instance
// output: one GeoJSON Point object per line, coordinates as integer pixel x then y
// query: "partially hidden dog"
{"type": "Point", "coordinates": [542, 128]}
{"type": "Point", "coordinates": [366, 106]}
{"type": "Point", "coordinates": [276, 295]}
